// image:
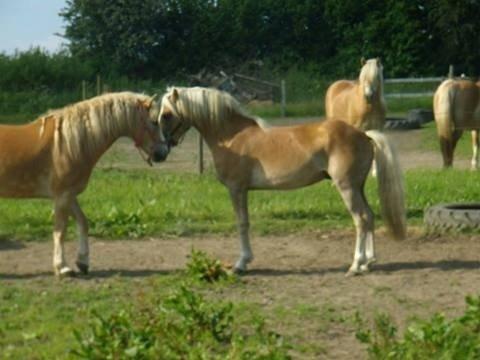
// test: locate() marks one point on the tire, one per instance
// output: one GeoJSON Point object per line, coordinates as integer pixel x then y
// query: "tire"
{"type": "Point", "coordinates": [402, 124]}
{"type": "Point", "coordinates": [452, 218]}
{"type": "Point", "coordinates": [423, 116]}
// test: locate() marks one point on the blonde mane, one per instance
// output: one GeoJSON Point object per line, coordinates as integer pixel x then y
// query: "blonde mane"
{"type": "Point", "coordinates": [372, 72]}
{"type": "Point", "coordinates": [83, 127]}
{"type": "Point", "coordinates": [207, 105]}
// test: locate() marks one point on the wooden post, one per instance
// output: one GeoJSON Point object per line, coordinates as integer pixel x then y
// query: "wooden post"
{"type": "Point", "coordinates": [283, 105]}
{"type": "Point", "coordinates": [98, 85]}
{"type": "Point", "coordinates": [450, 72]}
{"type": "Point", "coordinates": [200, 153]}
{"type": "Point", "coordinates": [84, 89]}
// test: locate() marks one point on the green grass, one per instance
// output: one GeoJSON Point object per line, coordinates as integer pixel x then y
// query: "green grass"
{"type": "Point", "coordinates": [135, 204]}
{"type": "Point", "coordinates": [436, 338]}
{"type": "Point", "coordinates": [40, 320]}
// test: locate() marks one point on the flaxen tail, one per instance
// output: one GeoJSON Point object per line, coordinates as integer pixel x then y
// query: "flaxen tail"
{"type": "Point", "coordinates": [390, 185]}
{"type": "Point", "coordinates": [443, 102]}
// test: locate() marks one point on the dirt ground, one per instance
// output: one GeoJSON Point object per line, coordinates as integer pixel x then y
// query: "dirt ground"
{"type": "Point", "coordinates": [415, 277]}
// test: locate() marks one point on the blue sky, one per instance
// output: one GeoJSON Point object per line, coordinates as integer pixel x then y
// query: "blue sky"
{"type": "Point", "coordinates": [27, 23]}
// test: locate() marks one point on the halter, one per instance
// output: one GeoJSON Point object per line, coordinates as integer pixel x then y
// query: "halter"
{"type": "Point", "coordinates": [182, 125]}
{"type": "Point", "coordinates": [138, 141]}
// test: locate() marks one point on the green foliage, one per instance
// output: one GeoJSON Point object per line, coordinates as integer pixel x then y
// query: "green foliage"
{"type": "Point", "coordinates": [204, 268]}
{"type": "Point", "coordinates": [144, 203]}
{"type": "Point", "coordinates": [159, 37]}
{"type": "Point", "coordinates": [437, 338]}
{"type": "Point", "coordinates": [183, 326]}
{"type": "Point", "coordinates": [120, 224]}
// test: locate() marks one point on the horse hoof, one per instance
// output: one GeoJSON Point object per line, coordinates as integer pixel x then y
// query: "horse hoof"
{"type": "Point", "coordinates": [66, 272]}
{"type": "Point", "coordinates": [239, 271]}
{"type": "Point", "coordinates": [351, 273]}
{"type": "Point", "coordinates": [364, 268]}
{"type": "Point", "coordinates": [83, 268]}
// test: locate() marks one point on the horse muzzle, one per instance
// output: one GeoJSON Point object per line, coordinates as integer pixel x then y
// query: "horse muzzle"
{"type": "Point", "coordinates": [160, 153]}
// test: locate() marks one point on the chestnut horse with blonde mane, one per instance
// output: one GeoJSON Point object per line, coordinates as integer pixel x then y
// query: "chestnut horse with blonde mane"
{"type": "Point", "coordinates": [250, 155]}
{"type": "Point", "coordinates": [53, 157]}
{"type": "Point", "coordinates": [456, 107]}
{"type": "Point", "coordinates": [361, 102]}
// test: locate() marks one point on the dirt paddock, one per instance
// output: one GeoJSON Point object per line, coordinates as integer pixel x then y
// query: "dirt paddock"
{"type": "Point", "coordinates": [415, 277]}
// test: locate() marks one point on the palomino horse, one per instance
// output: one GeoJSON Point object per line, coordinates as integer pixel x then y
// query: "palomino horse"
{"type": "Point", "coordinates": [456, 106]}
{"type": "Point", "coordinates": [360, 103]}
{"type": "Point", "coordinates": [250, 155]}
{"type": "Point", "coordinates": [53, 157]}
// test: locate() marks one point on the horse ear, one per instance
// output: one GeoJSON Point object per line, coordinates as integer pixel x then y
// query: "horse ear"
{"type": "Point", "coordinates": [147, 104]}
{"type": "Point", "coordinates": [174, 95]}
{"type": "Point", "coordinates": [379, 61]}
{"type": "Point", "coordinates": [362, 61]}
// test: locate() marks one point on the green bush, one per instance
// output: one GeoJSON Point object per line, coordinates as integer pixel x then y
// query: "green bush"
{"type": "Point", "coordinates": [182, 326]}
{"type": "Point", "coordinates": [437, 338]}
{"type": "Point", "coordinates": [204, 268]}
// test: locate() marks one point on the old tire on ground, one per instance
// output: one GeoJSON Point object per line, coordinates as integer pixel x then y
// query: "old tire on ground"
{"type": "Point", "coordinates": [401, 124]}
{"type": "Point", "coordinates": [443, 218]}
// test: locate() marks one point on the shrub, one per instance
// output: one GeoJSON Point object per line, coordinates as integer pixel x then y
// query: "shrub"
{"type": "Point", "coordinates": [204, 268]}
{"type": "Point", "coordinates": [183, 326]}
{"type": "Point", "coordinates": [437, 338]}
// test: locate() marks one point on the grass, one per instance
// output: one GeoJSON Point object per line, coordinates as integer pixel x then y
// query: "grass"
{"type": "Point", "coordinates": [145, 203]}
{"type": "Point", "coordinates": [58, 319]}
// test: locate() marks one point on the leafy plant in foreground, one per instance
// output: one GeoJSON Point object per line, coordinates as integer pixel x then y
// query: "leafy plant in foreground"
{"type": "Point", "coordinates": [183, 326]}
{"type": "Point", "coordinates": [437, 338]}
{"type": "Point", "coordinates": [204, 268]}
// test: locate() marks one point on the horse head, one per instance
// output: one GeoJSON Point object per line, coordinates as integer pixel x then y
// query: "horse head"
{"type": "Point", "coordinates": [371, 78]}
{"type": "Point", "coordinates": [173, 125]}
{"type": "Point", "coordinates": [148, 137]}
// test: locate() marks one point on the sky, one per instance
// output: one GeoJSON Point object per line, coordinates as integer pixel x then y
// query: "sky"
{"type": "Point", "coordinates": [30, 23]}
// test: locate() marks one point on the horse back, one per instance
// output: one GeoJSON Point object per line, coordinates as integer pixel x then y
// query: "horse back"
{"type": "Point", "coordinates": [457, 103]}
{"type": "Point", "coordinates": [337, 98]}
{"type": "Point", "coordinates": [25, 157]}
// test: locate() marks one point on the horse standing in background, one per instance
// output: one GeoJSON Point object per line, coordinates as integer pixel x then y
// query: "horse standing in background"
{"type": "Point", "coordinates": [250, 155]}
{"type": "Point", "coordinates": [456, 107]}
{"type": "Point", "coordinates": [361, 102]}
{"type": "Point", "coordinates": [53, 157]}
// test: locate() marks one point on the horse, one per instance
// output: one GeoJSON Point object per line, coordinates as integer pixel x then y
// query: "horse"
{"type": "Point", "coordinates": [249, 154]}
{"type": "Point", "coordinates": [53, 157]}
{"type": "Point", "coordinates": [360, 103]}
{"type": "Point", "coordinates": [456, 107]}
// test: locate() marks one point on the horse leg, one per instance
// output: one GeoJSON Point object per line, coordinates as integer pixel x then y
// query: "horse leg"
{"type": "Point", "coordinates": [448, 147]}
{"type": "Point", "coordinates": [362, 215]}
{"type": "Point", "coordinates": [83, 259]}
{"type": "Point", "coordinates": [62, 212]}
{"type": "Point", "coordinates": [475, 143]}
{"type": "Point", "coordinates": [240, 204]}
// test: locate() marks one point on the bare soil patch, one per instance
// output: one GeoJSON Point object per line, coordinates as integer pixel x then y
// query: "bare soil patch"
{"type": "Point", "coordinates": [415, 277]}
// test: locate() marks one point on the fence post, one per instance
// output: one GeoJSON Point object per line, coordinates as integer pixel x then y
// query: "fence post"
{"type": "Point", "coordinates": [200, 153]}
{"type": "Point", "coordinates": [84, 89]}
{"type": "Point", "coordinates": [283, 99]}
{"type": "Point", "coordinates": [450, 72]}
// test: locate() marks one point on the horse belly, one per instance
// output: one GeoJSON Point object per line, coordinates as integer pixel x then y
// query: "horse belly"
{"type": "Point", "coordinates": [24, 184]}
{"type": "Point", "coordinates": [287, 178]}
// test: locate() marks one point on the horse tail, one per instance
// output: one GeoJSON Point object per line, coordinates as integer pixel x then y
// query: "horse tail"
{"type": "Point", "coordinates": [390, 185]}
{"type": "Point", "coordinates": [443, 109]}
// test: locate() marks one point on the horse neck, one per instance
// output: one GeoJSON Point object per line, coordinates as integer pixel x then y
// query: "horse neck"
{"type": "Point", "coordinates": [224, 134]}
{"type": "Point", "coordinates": [101, 134]}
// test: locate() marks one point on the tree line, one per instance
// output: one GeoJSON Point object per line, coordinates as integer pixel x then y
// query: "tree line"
{"type": "Point", "coordinates": [165, 39]}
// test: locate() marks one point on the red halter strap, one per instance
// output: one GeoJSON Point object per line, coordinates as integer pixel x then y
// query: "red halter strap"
{"type": "Point", "coordinates": [138, 141]}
